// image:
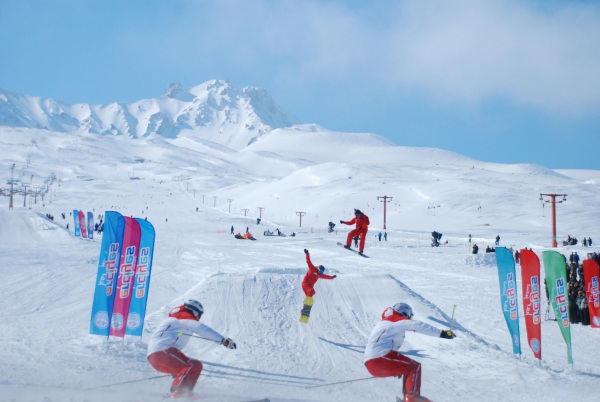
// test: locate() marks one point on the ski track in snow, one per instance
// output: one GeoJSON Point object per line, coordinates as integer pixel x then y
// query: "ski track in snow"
{"type": "Point", "coordinates": [251, 290]}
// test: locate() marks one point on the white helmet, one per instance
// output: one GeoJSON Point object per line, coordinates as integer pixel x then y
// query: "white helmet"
{"type": "Point", "coordinates": [403, 309]}
{"type": "Point", "coordinates": [194, 307]}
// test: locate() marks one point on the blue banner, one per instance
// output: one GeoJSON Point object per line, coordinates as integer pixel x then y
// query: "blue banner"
{"type": "Point", "coordinates": [508, 294]}
{"type": "Point", "coordinates": [141, 285]}
{"type": "Point", "coordinates": [108, 271]}
{"type": "Point", "coordinates": [76, 228]}
{"type": "Point", "coordinates": [90, 225]}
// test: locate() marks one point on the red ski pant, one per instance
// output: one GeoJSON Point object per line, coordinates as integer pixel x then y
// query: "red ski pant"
{"type": "Point", "coordinates": [353, 234]}
{"type": "Point", "coordinates": [185, 370]}
{"type": "Point", "coordinates": [394, 364]}
{"type": "Point", "coordinates": [309, 291]}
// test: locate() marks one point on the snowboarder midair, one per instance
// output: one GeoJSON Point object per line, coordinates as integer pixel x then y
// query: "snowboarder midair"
{"type": "Point", "coordinates": [308, 285]}
{"type": "Point", "coordinates": [381, 356]}
{"type": "Point", "coordinates": [171, 336]}
{"type": "Point", "coordinates": [312, 276]}
{"type": "Point", "coordinates": [362, 227]}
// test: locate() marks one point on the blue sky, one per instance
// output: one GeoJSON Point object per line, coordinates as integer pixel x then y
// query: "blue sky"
{"type": "Point", "coordinates": [509, 81]}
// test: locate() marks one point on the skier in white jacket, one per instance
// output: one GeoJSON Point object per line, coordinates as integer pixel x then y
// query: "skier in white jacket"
{"type": "Point", "coordinates": [164, 348]}
{"type": "Point", "coordinates": [382, 358]}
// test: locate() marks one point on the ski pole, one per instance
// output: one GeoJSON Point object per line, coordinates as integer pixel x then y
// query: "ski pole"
{"type": "Point", "coordinates": [196, 336]}
{"type": "Point", "coordinates": [340, 382]}
{"type": "Point", "coordinates": [452, 319]}
{"type": "Point", "coordinates": [128, 382]}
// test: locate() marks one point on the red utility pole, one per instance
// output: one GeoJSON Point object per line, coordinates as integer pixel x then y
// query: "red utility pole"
{"type": "Point", "coordinates": [300, 214]}
{"type": "Point", "coordinates": [386, 199]}
{"type": "Point", "coordinates": [553, 201]}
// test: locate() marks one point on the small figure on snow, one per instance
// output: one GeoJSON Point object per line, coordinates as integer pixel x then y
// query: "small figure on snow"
{"type": "Point", "coordinates": [171, 336]}
{"type": "Point", "coordinates": [382, 358]}
{"type": "Point", "coordinates": [362, 227]}
{"type": "Point", "coordinates": [308, 285]}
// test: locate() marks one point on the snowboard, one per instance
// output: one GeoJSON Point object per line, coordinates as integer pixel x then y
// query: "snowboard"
{"type": "Point", "coordinates": [305, 312]}
{"type": "Point", "coordinates": [353, 250]}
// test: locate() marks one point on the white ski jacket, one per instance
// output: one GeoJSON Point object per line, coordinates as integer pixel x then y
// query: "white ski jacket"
{"type": "Point", "coordinates": [389, 335]}
{"type": "Point", "coordinates": [176, 333]}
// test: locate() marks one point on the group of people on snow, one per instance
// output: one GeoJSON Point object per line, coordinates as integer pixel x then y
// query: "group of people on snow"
{"type": "Point", "coordinates": [381, 357]}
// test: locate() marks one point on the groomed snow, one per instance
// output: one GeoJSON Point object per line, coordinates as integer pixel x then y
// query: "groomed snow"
{"type": "Point", "coordinates": [251, 290]}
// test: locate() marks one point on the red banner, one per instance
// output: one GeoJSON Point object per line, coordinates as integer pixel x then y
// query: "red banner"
{"type": "Point", "coordinates": [530, 278]}
{"type": "Point", "coordinates": [591, 271]}
{"type": "Point", "coordinates": [82, 224]}
{"type": "Point", "coordinates": [129, 257]}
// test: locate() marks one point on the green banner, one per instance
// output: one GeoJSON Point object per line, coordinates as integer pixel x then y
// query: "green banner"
{"type": "Point", "coordinates": [555, 267]}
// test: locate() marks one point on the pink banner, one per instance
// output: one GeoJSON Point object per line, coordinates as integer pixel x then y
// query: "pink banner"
{"type": "Point", "coordinates": [82, 225]}
{"type": "Point", "coordinates": [129, 257]}
{"type": "Point", "coordinates": [591, 271]}
{"type": "Point", "coordinates": [530, 277]}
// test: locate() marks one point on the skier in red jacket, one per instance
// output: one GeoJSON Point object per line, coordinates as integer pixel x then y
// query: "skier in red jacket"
{"type": "Point", "coordinates": [362, 227]}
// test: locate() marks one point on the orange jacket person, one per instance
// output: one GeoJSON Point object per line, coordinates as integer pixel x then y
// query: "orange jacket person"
{"type": "Point", "coordinates": [362, 227]}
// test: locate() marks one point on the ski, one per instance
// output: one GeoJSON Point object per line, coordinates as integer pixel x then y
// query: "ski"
{"type": "Point", "coordinates": [353, 250]}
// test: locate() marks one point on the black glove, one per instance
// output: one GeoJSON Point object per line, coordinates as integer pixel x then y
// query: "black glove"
{"type": "Point", "coordinates": [447, 334]}
{"type": "Point", "coordinates": [228, 343]}
{"type": "Point", "coordinates": [341, 221]}
{"type": "Point", "coordinates": [305, 251]}
{"type": "Point", "coordinates": [335, 276]}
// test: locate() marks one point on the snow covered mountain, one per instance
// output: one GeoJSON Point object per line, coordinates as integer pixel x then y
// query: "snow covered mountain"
{"type": "Point", "coordinates": [214, 110]}
{"type": "Point", "coordinates": [193, 184]}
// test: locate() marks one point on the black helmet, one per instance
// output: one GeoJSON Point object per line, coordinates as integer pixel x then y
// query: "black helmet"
{"type": "Point", "coordinates": [321, 269]}
{"type": "Point", "coordinates": [357, 211]}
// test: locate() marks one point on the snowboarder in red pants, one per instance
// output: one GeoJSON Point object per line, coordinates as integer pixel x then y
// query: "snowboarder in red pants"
{"type": "Point", "coordinates": [308, 285]}
{"type": "Point", "coordinates": [164, 348]}
{"type": "Point", "coordinates": [382, 358]}
{"type": "Point", "coordinates": [362, 227]}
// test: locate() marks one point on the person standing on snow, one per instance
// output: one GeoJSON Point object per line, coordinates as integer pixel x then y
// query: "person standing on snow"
{"type": "Point", "coordinates": [362, 227]}
{"type": "Point", "coordinates": [381, 356]}
{"type": "Point", "coordinates": [171, 336]}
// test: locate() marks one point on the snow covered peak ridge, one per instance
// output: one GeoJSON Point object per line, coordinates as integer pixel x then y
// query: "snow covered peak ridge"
{"type": "Point", "coordinates": [214, 110]}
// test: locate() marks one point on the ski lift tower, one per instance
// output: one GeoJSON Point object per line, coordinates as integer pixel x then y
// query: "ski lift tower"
{"type": "Point", "coordinates": [10, 204]}
{"type": "Point", "coordinates": [385, 199]}
{"type": "Point", "coordinates": [553, 201]}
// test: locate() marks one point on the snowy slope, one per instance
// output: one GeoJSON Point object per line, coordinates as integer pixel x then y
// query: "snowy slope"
{"type": "Point", "coordinates": [251, 290]}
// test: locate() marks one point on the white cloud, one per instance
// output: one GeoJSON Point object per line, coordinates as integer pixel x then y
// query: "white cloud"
{"type": "Point", "coordinates": [459, 51]}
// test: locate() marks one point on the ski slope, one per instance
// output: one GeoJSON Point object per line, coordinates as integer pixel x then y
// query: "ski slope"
{"type": "Point", "coordinates": [251, 290]}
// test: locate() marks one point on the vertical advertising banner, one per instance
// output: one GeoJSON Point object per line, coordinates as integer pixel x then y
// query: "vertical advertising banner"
{"type": "Point", "coordinates": [82, 225]}
{"type": "Point", "coordinates": [508, 294]}
{"type": "Point", "coordinates": [108, 270]}
{"type": "Point", "coordinates": [591, 273]}
{"type": "Point", "coordinates": [531, 291]}
{"type": "Point", "coordinates": [129, 258]}
{"type": "Point", "coordinates": [555, 268]}
{"type": "Point", "coordinates": [76, 228]}
{"type": "Point", "coordinates": [90, 225]}
{"type": "Point", "coordinates": [141, 284]}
